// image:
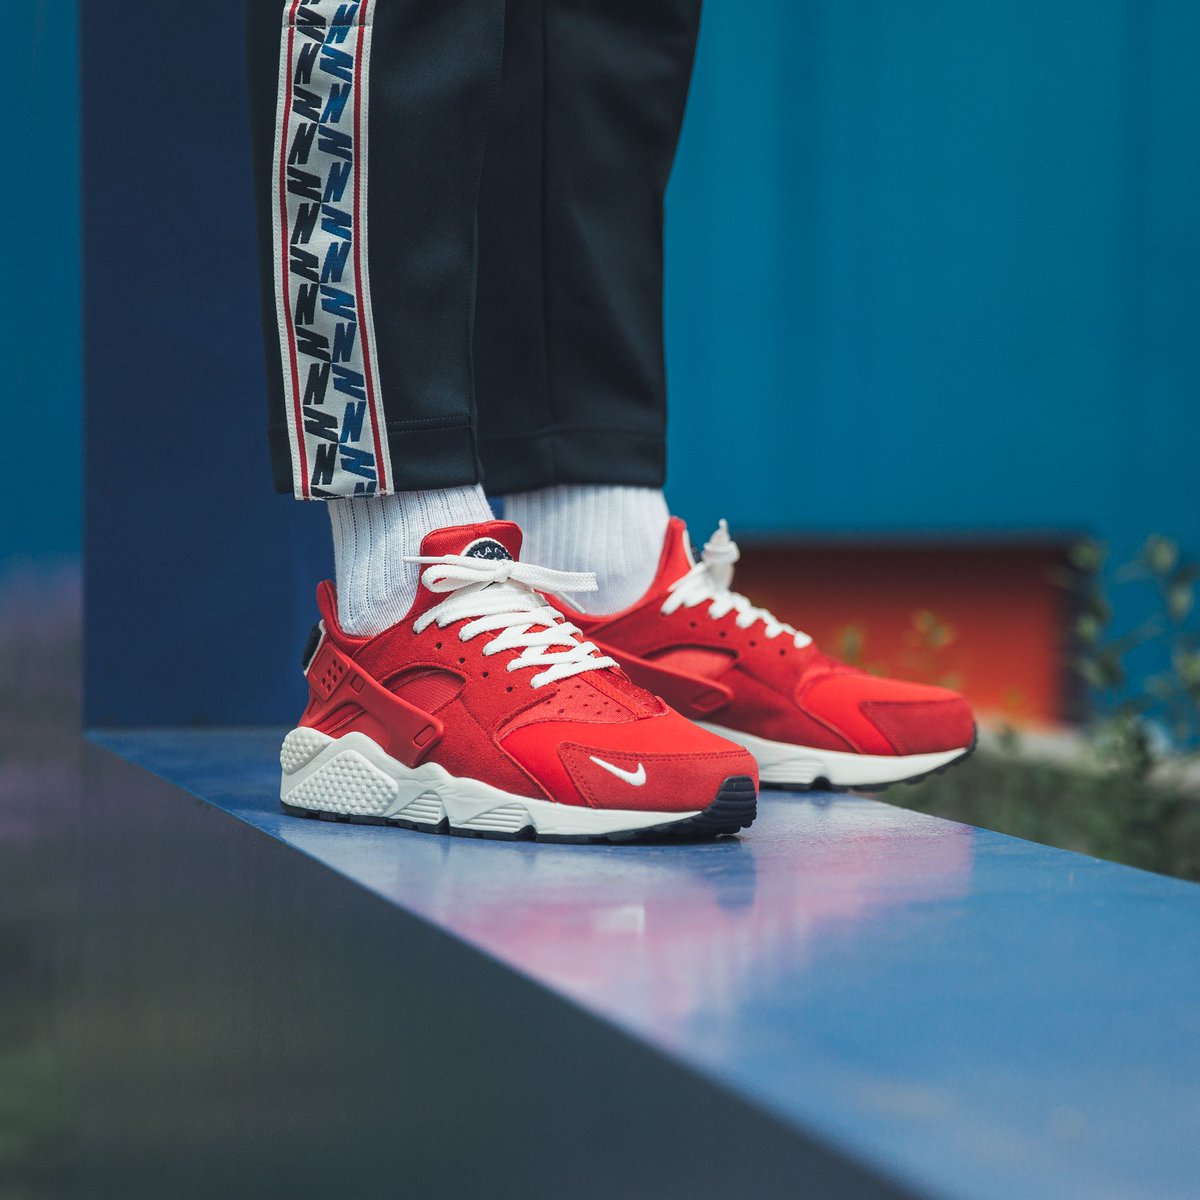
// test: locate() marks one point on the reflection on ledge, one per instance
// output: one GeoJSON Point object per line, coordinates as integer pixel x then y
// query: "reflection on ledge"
{"type": "Point", "coordinates": [959, 1010]}
{"type": "Point", "coordinates": [666, 933]}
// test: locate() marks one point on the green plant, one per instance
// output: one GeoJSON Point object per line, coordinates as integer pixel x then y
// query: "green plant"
{"type": "Point", "coordinates": [1106, 813]}
{"type": "Point", "coordinates": [1127, 797]}
{"type": "Point", "coordinates": [926, 643]}
{"type": "Point", "coordinates": [1138, 723]}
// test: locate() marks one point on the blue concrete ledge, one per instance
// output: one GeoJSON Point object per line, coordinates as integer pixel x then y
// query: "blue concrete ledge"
{"type": "Point", "coordinates": [937, 1010]}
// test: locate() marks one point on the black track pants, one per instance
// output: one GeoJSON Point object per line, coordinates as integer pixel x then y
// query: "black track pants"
{"type": "Point", "coordinates": [460, 222]}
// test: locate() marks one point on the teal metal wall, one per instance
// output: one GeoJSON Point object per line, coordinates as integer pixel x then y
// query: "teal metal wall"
{"type": "Point", "coordinates": [39, 302]}
{"type": "Point", "coordinates": [933, 265]}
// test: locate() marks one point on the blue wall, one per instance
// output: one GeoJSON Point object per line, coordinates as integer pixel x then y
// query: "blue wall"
{"type": "Point", "coordinates": [931, 266]}
{"type": "Point", "coordinates": [39, 304]}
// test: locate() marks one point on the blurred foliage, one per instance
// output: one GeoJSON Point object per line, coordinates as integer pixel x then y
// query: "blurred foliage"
{"type": "Point", "coordinates": [922, 658]}
{"type": "Point", "coordinates": [1110, 814]}
{"type": "Point", "coordinates": [1138, 722]}
{"type": "Point", "coordinates": [1130, 796]}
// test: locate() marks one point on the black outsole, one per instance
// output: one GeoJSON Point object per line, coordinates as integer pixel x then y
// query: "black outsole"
{"type": "Point", "coordinates": [821, 784]}
{"type": "Point", "coordinates": [733, 809]}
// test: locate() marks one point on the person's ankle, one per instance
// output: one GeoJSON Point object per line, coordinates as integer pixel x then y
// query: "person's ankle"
{"type": "Point", "coordinates": [615, 531]}
{"type": "Point", "coordinates": [372, 535]}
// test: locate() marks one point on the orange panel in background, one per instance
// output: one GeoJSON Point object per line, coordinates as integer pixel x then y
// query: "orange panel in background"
{"type": "Point", "coordinates": [983, 618]}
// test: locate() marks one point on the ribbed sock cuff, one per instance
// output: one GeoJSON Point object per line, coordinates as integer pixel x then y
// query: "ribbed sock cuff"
{"type": "Point", "coordinates": [372, 535]}
{"type": "Point", "coordinates": [617, 532]}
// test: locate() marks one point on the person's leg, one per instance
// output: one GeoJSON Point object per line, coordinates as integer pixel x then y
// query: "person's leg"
{"type": "Point", "coordinates": [572, 392]}
{"type": "Point", "coordinates": [457, 700]}
{"type": "Point", "coordinates": [573, 430]}
{"type": "Point", "coordinates": [369, 120]}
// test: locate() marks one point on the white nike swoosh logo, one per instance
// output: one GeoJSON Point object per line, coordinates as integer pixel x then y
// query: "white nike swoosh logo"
{"type": "Point", "coordinates": [636, 778]}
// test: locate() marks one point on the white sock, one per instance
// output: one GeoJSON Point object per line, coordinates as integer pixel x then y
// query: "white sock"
{"type": "Point", "coordinates": [617, 532]}
{"type": "Point", "coordinates": [372, 535]}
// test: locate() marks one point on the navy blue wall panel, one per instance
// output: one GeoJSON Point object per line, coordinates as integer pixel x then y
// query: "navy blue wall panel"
{"type": "Point", "coordinates": [930, 266]}
{"type": "Point", "coordinates": [199, 586]}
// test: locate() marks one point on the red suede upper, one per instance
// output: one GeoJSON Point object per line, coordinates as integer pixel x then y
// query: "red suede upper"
{"type": "Point", "coordinates": [465, 711]}
{"type": "Point", "coordinates": [710, 669]}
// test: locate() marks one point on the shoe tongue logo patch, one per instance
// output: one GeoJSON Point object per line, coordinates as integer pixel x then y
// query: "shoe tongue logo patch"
{"type": "Point", "coordinates": [487, 547]}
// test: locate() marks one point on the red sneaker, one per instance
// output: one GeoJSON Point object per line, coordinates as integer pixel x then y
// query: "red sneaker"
{"type": "Point", "coordinates": [483, 713]}
{"type": "Point", "coordinates": [738, 671]}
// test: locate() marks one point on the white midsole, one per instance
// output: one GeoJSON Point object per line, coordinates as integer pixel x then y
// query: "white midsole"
{"type": "Point", "coordinates": [782, 762]}
{"type": "Point", "coordinates": [353, 775]}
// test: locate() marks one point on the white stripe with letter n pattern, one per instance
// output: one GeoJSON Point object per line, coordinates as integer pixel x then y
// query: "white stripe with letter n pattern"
{"type": "Point", "coordinates": [322, 290]}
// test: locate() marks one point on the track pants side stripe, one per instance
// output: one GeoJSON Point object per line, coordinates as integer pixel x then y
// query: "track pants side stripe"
{"type": "Point", "coordinates": [322, 288]}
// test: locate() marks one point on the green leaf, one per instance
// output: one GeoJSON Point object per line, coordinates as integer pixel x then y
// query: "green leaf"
{"type": "Point", "coordinates": [850, 645]}
{"type": "Point", "coordinates": [1147, 631]}
{"type": "Point", "coordinates": [1086, 555]}
{"type": "Point", "coordinates": [1130, 571]}
{"type": "Point", "coordinates": [1187, 667]}
{"type": "Point", "coordinates": [1160, 554]}
{"type": "Point", "coordinates": [1111, 670]}
{"type": "Point", "coordinates": [1180, 599]}
{"type": "Point", "coordinates": [1098, 607]}
{"type": "Point", "coordinates": [940, 636]}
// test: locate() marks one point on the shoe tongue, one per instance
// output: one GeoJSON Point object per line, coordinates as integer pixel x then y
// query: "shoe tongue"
{"type": "Point", "coordinates": [488, 539]}
{"type": "Point", "coordinates": [677, 558]}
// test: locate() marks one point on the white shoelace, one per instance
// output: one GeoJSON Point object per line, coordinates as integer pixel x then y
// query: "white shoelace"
{"type": "Point", "coordinates": [711, 581]}
{"type": "Point", "coordinates": [500, 596]}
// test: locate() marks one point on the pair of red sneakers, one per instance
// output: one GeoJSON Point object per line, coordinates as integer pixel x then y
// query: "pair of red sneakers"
{"type": "Point", "coordinates": [495, 709]}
